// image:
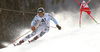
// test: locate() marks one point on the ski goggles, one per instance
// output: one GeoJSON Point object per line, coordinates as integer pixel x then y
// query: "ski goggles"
{"type": "Point", "coordinates": [40, 13]}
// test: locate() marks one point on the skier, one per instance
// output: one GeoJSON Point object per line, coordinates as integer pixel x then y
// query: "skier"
{"type": "Point", "coordinates": [43, 20]}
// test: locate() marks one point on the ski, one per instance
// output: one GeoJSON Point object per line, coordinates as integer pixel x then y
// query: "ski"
{"type": "Point", "coordinates": [30, 41]}
{"type": "Point", "coordinates": [15, 44]}
{"type": "Point", "coordinates": [20, 44]}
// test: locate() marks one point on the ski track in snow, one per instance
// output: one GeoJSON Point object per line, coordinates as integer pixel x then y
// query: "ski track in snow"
{"type": "Point", "coordinates": [86, 39]}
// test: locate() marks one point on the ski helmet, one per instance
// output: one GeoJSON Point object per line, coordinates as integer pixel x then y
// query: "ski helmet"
{"type": "Point", "coordinates": [41, 10]}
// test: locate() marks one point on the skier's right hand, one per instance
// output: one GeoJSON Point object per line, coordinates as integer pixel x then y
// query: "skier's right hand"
{"type": "Point", "coordinates": [32, 28]}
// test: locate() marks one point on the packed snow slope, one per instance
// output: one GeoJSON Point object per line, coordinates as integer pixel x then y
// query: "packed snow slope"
{"type": "Point", "coordinates": [85, 39]}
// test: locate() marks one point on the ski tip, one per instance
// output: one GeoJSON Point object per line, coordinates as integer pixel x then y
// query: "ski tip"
{"type": "Point", "coordinates": [29, 41]}
{"type": "Point", "coordinates": [14, 44]}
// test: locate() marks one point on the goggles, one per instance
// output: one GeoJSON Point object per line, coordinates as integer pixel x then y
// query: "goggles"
{"type": "Point", "coordinates": [40, 13]}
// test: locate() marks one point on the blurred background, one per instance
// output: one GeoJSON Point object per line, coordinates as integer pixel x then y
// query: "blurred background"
{"type": "Point", "coordinates": [16, 15]}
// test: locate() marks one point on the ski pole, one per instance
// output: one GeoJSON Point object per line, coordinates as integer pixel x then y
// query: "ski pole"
{"type": "Point", "coordinates": [19, 37]}
{"type": "Point", "coordinates": [52, 27]}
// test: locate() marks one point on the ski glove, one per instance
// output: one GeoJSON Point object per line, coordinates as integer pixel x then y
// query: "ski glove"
{"type": "Point", "coordinates": [59, 27]}
{"type": "Point", "coordinates": [33, 28]}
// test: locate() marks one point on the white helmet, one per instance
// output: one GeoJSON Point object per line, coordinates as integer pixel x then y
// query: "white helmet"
{"type": "Point", "coordinates": [40, 10]}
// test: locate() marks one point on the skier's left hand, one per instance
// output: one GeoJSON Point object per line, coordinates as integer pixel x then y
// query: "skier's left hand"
{"type": "Point", "coordinates": [59, 27]}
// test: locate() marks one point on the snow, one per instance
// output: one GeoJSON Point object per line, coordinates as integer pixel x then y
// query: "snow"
{"type": "Point", "coordinates": [86, 39]}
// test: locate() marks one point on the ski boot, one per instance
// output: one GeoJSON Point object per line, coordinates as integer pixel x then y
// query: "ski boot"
{"type": "Point", "coordinates": [20, 42]}
{"type": "Point", "coordinates": [33, 39]}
